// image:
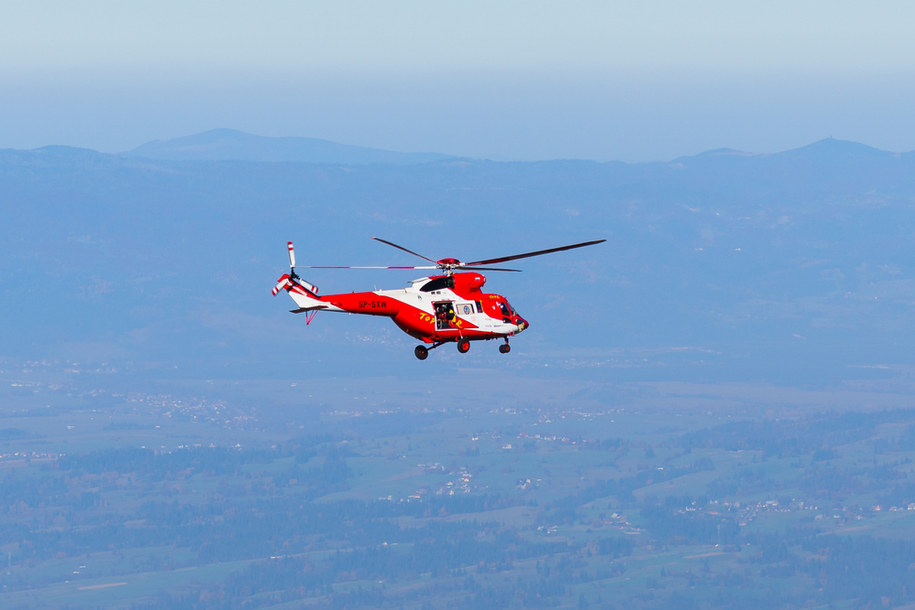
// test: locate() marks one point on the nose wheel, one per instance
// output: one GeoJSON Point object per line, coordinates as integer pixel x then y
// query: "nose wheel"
{"type": "Point", "coordinates": [505, 347]}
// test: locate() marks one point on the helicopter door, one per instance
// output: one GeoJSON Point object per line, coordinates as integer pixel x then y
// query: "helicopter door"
{"type": "Point", "coordinates": [444, 315]}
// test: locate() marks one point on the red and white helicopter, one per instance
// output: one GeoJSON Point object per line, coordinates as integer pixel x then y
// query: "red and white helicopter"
{"type": "Point", "coordinates": [439, 309]}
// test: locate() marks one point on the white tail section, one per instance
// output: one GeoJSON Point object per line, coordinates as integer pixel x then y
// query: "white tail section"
{"type": "Point", "coordinates": [306, 299]}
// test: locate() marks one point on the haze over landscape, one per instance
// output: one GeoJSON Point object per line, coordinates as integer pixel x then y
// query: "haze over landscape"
{"type": "Point", "coordinates": [711, 409]}
{"type": "Point", "coordinates": [504, 80]}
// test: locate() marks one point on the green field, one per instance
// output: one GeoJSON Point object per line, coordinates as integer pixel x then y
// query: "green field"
{"type": "Point", "coordinates": [132, 499]}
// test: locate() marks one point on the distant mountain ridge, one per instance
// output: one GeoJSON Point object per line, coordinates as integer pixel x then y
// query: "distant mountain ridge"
{"type": "Point", "coordinates": [826, 150]}
{"type": "Point", "coordinates": [234, 145]}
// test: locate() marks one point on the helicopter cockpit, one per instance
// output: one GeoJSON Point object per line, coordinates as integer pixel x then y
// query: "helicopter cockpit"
{"type": "Point", "coordinates": [509, 315]}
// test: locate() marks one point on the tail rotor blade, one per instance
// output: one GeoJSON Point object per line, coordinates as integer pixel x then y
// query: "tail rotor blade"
{"type": "Point", "coordinates": [291, 256]}
{"type": "Point", "coordinates": [284, 281]}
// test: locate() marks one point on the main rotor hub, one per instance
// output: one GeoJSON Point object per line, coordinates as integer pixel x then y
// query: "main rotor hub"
{"type": "Point", "coordinates": [448, 264]}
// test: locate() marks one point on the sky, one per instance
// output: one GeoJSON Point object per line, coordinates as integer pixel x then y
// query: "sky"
{"type": "Point", "coordinates": [630, 81]}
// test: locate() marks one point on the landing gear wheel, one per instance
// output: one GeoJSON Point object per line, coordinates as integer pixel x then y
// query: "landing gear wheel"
{"type": "Point", "coordinates": [463, 345]}
{"type": "Point", "coordinates": [505, 348]}
{"type": "Point", "coordinates": [421, 352]}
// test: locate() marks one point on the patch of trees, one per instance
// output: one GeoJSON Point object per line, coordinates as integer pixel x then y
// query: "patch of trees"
{"type": "Point", "coordinates": [668, 524]}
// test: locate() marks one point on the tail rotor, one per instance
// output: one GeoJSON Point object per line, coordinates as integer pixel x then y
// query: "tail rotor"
{"type": "Point", "coordinates": [291, 280]}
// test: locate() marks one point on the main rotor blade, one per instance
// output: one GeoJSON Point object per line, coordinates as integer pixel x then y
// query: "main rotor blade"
{"type": "Point", "coordinates": [384, 241]}
{"type": "Point", "coordinates": [465, 268]}
{"type": "Point", "coordinates": [350, 267]}
{"type": "Point", "coordinates": [504, 259]}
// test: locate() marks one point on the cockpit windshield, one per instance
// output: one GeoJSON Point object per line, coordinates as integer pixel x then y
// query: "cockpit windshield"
{"type": "Point", "coordinates": [508, 312]}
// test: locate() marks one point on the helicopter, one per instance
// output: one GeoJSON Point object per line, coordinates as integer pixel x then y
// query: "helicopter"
{"type": "Point", "coordinates": [449, 307]}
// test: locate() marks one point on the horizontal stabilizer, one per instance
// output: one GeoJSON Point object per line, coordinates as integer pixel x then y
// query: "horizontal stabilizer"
{"type": "Point", "coordinates": [304, 309]}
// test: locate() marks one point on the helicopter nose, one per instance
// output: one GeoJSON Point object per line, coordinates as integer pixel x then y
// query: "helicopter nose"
{"type": "Point", "coordinates": [522, 324]}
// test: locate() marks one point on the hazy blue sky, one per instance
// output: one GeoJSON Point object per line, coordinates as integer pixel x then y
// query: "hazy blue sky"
{"type": "Point", "coordinates": [647, 80]}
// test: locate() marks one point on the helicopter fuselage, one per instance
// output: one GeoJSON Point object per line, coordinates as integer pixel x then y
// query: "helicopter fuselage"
{"type": "Point", "coordinates": [433, 309]}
